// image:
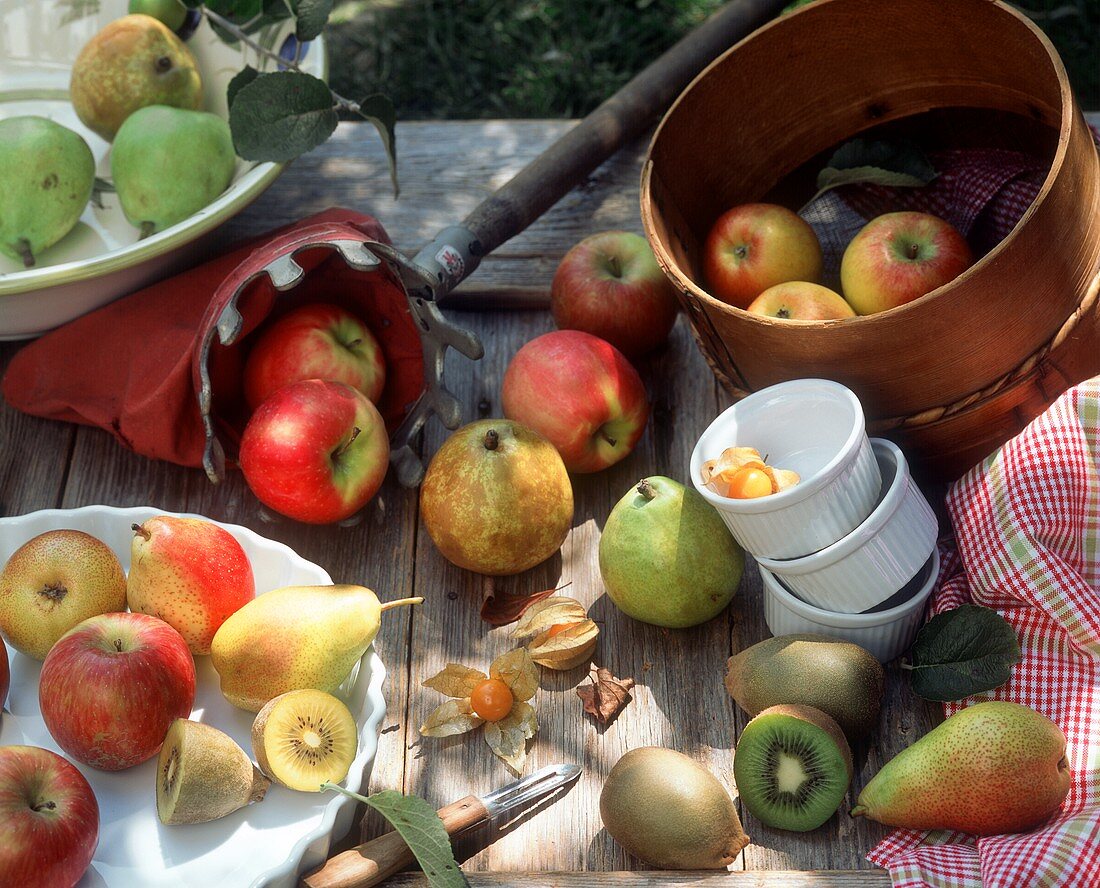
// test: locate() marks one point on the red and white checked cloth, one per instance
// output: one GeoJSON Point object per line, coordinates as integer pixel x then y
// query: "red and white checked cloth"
{"type": "Point", "coordinates": [1027, 526]}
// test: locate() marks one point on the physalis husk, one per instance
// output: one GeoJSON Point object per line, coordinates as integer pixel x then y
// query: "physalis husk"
{"type": "Point", "coordinates": [736, 472]}
{"type": "Point", "coordinates": [497, 700]}
{"type": "Point", "coordinates": [564, 637]}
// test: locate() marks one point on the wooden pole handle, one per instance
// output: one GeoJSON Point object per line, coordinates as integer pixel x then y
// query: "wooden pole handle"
{"type": "Point", "coordinates": [375, 861]}
{"type": "Point", "coordinates": [623, 117]}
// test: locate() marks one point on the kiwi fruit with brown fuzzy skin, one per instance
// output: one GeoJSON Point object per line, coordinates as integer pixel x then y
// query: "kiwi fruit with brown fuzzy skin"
{"type": "Point", "coordinates": [792, 766]}
{"type": "Point", "coordinates": [202, 774]}
{"type": "Point", "coordinates": [305, 738]}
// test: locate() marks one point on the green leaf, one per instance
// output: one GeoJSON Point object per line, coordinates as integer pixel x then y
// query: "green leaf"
{"type": "Point", "coordinates": [962, 652]}
{"type": "Point", "coordinates": [281, 115]}
{"type": "Point", "coordinates": [423, 831]}
{"type": "Point", "coordinates": [379, 110]}
{"type": "Point", "coordinates": [892, 163]}
{"type": "Point", "coordinates": [312, 17]}
{"type": "Point", "coordinates": [240, 80]}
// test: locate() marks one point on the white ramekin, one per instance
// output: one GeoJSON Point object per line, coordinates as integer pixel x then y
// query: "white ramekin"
{"type": "Point", "coordinates": [886, 634]}
{"type": "Point", "coordinates": [870, 564]}
{"type": "Point", "coordinates": [815, 427]}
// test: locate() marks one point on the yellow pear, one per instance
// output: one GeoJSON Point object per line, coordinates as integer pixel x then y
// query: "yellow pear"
{"type": "Point", "coordinates": [293, 638]}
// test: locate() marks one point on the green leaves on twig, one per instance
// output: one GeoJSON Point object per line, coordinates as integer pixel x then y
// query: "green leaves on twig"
{"type": "Point", "coordinates": [280, 115]}
{"type": "Point", "coordinates": [423, 831]}
{"type": "Point", "coordinates": [962, 652]}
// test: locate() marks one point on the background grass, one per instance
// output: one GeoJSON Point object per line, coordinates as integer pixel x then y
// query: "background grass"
{"type": "Point", "coordinates": [560, 58]}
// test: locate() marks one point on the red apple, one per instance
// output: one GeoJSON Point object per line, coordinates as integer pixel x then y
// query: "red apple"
{"type": "Point", "coordinates": [112, 686]}
{"type": "Point", "coordinates": [801, 301]}
{"type": "Point", "coordinates": [49, 819]}
{"type": "Point", "coordinates": [315, 451]}
{"type": "Point", "coordinates": [756, 246]}
{"type": "Point", "coordinates": [899, 257]}
{"type": "Point", "coordinates": [191, 573]}
{"type": "Point", "coordinates": [611, 286]}
{"type": "Point", "coordinates": [579, 392]}
{"type": "Point", "coordinates": [317, 341]}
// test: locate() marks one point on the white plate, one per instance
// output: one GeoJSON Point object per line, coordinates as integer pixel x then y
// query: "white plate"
{"type": "Point", "coordinates": [102, 257]}
{"type": "Point", "coordinates": [266, 844]}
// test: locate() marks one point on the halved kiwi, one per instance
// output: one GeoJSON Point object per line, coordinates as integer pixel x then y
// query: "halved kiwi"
{"type": "Point", "coordinates": [304, 738]}
{"type": "Point", "coordinates": [792, 766]}
{"type": "Point", "coordinates": [202, 774]}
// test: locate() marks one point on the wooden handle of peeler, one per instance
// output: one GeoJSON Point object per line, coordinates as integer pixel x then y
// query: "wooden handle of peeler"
{"type": "Point", "coordinates": [623, 117]}
{"type": "Point", "coordinates": [377, 860]}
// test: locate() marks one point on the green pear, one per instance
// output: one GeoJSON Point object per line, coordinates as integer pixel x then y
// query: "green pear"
{"type": "Point", "coordinates": [168, 164]}
{"type": "Point", "coordinates": [133, 62]}
{"type": "Point", "coordinates": [991, 768]}
{"type": "Point", "coordinates": [294, 638]}
{"type": "Point", "coordinates": [171, 12]}
{"type": "Point", "coordinates": [667, 558]}
{"type": "Point", "coordinates": [46, 178]}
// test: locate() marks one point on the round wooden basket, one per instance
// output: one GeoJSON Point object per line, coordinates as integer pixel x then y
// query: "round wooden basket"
{"type": "Point", "coordinates": [955, 373]}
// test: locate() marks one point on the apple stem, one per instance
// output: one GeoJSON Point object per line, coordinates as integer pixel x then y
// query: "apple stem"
{"type": "Point", "coordinates": [646, 489]}
{"type": "Point", "coordinates": [492, 439]}
{"type": "Point", "coordinates": [914, 251]}
{"type": "Point", "coordinates": [401, 602]}
{"type": "Point", "coordinates": [615, 266]}
{"type": "Point", "coordinates": [43, 806]}
{"type": "Point", "coordinates": [353, 343]}
{"type": "Point", "coordinates": [118, 645]}
{"type": "Point", "coordinates": [343, 448]}
{"type": "Point", "coordinates": [607, 437]}
{"type": "Point", "coordinates": [141, 531]}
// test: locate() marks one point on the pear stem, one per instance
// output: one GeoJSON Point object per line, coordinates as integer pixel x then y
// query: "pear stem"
{"type": "Point", "coordinates": [401, 602]}
{"type": "Point", "coordinates": [140, 531]}
{"type": "Point", "coordinates": [646, 489]}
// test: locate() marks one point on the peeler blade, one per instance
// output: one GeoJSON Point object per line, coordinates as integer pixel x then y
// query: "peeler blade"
{"type": "Point", "coordinates": [535, 786]}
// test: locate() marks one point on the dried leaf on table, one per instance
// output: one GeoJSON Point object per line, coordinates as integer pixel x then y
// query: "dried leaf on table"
{"type": "Point", "coordinates": [605, 696]}
{"type": "Point", "coordinates": [450, 718]}
{"type": "Point", "coordinates": [549, 612]}
{"type": "Point", "coordinates": [508, 737]}
{"type": "Point", "coordinates": [517, 670]}
{"type": "Point", "coordinates": [456, 680]}
{"type": "Point", "coordinates": [567, 648]}
{"type": "Point", "coordinates": [500, 609]}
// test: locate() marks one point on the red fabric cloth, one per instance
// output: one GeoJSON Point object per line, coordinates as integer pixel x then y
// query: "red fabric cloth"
{"type": "Point", "coordinates": [129, 367]}
{"type": "Point", "coordinates": [1027, 524]}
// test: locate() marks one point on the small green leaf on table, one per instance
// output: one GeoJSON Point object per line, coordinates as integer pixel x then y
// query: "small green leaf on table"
{"type": "Point", "coordinates": [418, 824]}
{"type": "Point", "coordinates": [379, 111]}
{"type": "Point", "coordinates": [312, 17]}
{"type": "Point", "coordinates": [962, 652]}
{"type": "Point", "coordinates": [895, 163]}
{"type": "Point", "coordinates": [280, 116]}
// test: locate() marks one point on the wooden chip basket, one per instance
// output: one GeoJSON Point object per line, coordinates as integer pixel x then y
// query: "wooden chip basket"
{"type": "Point", "coordinates": [953, 374]}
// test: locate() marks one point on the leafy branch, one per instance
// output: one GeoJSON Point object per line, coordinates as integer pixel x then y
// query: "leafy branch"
{"type": "Point", "coordinates": [281, 114]}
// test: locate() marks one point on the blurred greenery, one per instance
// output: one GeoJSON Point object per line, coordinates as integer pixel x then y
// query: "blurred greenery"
{"type": "Point", "coordinates": [560, 58]}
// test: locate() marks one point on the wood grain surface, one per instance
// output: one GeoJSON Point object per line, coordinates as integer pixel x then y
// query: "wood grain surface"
{"type": "Point", "coordinates": [679, 700]}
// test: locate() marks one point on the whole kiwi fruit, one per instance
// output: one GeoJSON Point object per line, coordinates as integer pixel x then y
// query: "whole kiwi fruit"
{"type": "Point", "coordinates": [837, 677]}
{"type": "Point", "coordinates": [670, 812]}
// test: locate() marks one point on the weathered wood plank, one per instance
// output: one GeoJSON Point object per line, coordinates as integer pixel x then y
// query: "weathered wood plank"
{"type": "Point", "coordinates": [746, 879]}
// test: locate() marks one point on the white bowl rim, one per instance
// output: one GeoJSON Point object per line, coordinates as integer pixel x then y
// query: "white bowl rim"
{"type": "Point", "coordinates": [869, 528]}
{"type": "Point", "coordinates": [772, 586]}
{"type": "Point", "coordinates": [289, 866]}
{"type": "Point", "coordinates": [806, 487]}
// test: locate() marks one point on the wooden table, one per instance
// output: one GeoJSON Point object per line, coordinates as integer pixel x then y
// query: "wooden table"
{"type": "Point", "coordinates": [679, 702]}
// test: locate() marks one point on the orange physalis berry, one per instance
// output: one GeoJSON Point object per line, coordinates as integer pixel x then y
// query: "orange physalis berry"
{"type": "Point", "coordinates": [558, 627]}
{"type": "Point", "coordinates": [749, 483]}
{"type": "Point", "coordinates": [492, 700]}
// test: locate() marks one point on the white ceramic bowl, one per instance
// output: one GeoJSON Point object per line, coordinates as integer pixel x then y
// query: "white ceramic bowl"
{"type": "Point", "coordinates": [102, 257]}
{"type": "Point", "coordinates": [885, 633]}
{"type": "Point", "coordinates": [816, 428]}
{"type": "Point", "coordinates": [267, 844]}
{"type": "Point", "coordinates": [870, 564]}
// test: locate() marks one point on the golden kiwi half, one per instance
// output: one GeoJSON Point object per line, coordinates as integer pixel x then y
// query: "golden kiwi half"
{"type": "Point", "coordinates": [304, 738]}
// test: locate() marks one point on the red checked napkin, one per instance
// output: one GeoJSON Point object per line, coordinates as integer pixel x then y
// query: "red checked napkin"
{"type": "Point", "coordinates": [1027, 525]}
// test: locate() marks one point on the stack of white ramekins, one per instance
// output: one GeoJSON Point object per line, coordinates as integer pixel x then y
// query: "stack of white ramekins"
{"type": "Point", "coordinates": [849, 551]}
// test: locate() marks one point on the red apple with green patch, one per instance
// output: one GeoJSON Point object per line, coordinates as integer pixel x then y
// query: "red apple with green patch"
{"type": "Point", "coordinates": [801, 301]}
{"type": "Point", "coordinates": [317, 341]}
{"type": "Point", "coordinates": [611, 286]}
{"type": "Point", "coordinates": [756, 246]}
{"type": "Point", "coordinates": [579, 392]}
{"type": "Point", "coordinates": [49, 819]}
{"type": "Point", "coordinates": [899, 257]}
{"type": "Point", "coordinates": [189, 572]}
{"type": "Point", "coordinates": [315, 451]}
{"type": "Point", "coordinates": [112, 686]}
